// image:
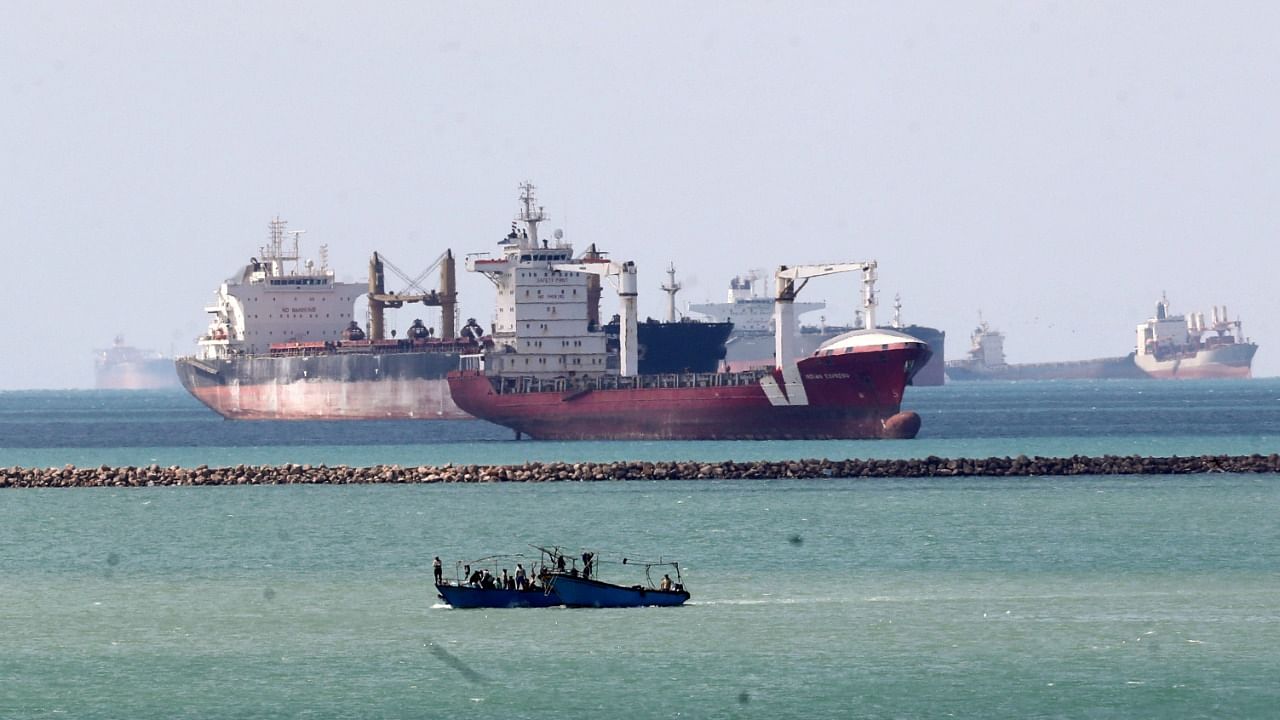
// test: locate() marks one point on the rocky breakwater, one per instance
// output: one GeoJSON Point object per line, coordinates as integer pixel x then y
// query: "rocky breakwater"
{"type": "Point", "coordinates": [292, 474]}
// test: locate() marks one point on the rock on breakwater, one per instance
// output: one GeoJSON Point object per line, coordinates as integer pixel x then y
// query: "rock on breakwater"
{"type": "Point", "coordinates": [293, 474]}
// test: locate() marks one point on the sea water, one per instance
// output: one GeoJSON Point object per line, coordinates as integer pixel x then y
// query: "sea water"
{"type": "Point", "coordinates": [975, 597]}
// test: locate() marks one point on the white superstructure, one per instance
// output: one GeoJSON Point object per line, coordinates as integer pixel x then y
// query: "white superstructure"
{"type": "Point", "coordinates": [1185, 346]}
{"type": "Point", "coordinates": [541, 326]}
{"type": "Point", "coordinates": [749, 307]}
{"type": "Point", "coordinates": [278, 298]}
{"type": "Point", "coordinates": [986, 346]}
{"type": "Point", "coordinates": [1167, 335]}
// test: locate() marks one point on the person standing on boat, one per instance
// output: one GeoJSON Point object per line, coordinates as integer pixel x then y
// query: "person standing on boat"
{"type": "Point", "coordinates": [586, 564]}
{"type": "Point", "coordinates": [437, 569]}
{"type": "Point", "coordinates": [665, 585]}
{"type": "Point", "coordinates": [521, 579]}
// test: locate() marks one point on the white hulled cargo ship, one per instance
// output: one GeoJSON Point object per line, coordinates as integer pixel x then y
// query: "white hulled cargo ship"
{"type": "Point", "coordinates": [283, 344]}
{"type": "Point", "coordinates": [1186, 347]}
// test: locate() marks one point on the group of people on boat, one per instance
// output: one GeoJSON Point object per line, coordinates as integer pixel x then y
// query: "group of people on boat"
{"type": "Point", "coordinates": [482, 579]}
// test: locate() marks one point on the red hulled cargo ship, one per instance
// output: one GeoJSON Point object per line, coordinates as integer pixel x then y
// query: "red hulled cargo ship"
{"type": "Point", "coordinates": [549, 374]}
{"type": "Point", "coordinates": [853, 392]}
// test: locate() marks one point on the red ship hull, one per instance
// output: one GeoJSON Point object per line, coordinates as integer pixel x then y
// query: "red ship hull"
{"type": "Point", "coordinates": [855, 394]}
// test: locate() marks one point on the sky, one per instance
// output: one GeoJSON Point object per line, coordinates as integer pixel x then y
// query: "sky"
{"type": "Point", "coordinates": [1054, 166]}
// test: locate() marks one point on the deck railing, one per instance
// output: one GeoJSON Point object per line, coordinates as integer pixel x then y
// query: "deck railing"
{"type": "Point", "coordinates": [580, 384]}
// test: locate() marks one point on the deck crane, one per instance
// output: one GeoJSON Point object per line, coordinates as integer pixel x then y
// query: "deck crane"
{"type": "Point", "coordinates": [624, 278]}
{"type": "Point", "coordinates": [784, 312]}
{"type": "Point", "coordinates": [445, 298]}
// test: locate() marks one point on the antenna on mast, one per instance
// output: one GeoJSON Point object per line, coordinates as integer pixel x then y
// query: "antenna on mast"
{"type": "Point", "coordinates": [297, 262]}
{"type": "Point", "coordinates": [529, 214]}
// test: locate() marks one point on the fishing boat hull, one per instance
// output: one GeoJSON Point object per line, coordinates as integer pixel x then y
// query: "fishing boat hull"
{"type": "Point", "coordinates": [466, 597]}
{"type": "Point", "coordinates": [583, 592]}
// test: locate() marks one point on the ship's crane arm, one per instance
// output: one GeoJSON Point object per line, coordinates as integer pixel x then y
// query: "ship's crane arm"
{"type": "Point", "coordinates": [624, 276]}
{"type": "Point", "coordinates": [797, 272]}
{"type": "Point", "coordinates": [784, 314]}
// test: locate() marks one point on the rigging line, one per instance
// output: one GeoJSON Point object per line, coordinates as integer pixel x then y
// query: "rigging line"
{"type": "Point", "coordinates": [413, 284]}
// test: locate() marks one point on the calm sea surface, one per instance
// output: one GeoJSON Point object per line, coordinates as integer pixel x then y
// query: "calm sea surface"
{"type": "Point", "coordinates": [1093, 597]}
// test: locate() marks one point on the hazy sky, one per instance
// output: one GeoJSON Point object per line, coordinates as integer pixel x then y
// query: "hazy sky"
{"type": "Point", "coordinates": [1054, 165]}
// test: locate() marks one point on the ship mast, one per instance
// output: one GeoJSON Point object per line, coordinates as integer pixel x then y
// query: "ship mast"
{"type": "Point", "coordinates": [530, 215]}
{"type": "Point", "coordinates": [671, 288]}
{"type": "Point", "coordinates": [274, 253]}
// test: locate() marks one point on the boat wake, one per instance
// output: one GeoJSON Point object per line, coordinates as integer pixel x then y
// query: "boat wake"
{"type": "Point", "coordinates": [772, 601]}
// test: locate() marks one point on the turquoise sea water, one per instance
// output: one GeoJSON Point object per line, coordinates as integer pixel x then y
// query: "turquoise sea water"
{"type": "Point", "coordinates": [1113, 597]}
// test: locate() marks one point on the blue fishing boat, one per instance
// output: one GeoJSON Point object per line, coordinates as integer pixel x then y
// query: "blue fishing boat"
{"type": "Point", "coordinates": [581, 587]}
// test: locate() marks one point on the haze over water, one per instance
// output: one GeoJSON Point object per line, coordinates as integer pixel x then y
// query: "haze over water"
{"type": "Point", "coordinates": [977, 597]}
{"type": "Point", "coordinates": [1056, 166]}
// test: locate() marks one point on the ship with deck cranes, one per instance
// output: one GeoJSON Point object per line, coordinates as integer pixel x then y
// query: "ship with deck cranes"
{"type": "Point", "coordinates": [550, 374]}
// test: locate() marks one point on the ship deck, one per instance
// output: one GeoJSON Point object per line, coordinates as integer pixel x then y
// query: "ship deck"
{"type": "Point", "coordinates": [527, 384]}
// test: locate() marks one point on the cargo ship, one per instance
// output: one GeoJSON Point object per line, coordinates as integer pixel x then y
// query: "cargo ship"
{"type": "Point", "coordinates": [751, 345]}
{"type": "Point", "coordinates": [550, 374]}
{"type": "Point", "coordinates": [1184, 347]}
{"type": "Point", "coordinates": [283, 343]}
{"type": "Point", "coordinates": [986, 361]}
{"type": "Point", "coordinates": [123, 367]}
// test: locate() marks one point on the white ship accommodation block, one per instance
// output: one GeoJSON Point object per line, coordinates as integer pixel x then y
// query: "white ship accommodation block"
{"type": "Point", "coordinates": [268, 303]}
{"type": "Point", "coordinates": [291, 313]}
{"type": "Point", "coordinates": [547, 312]}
